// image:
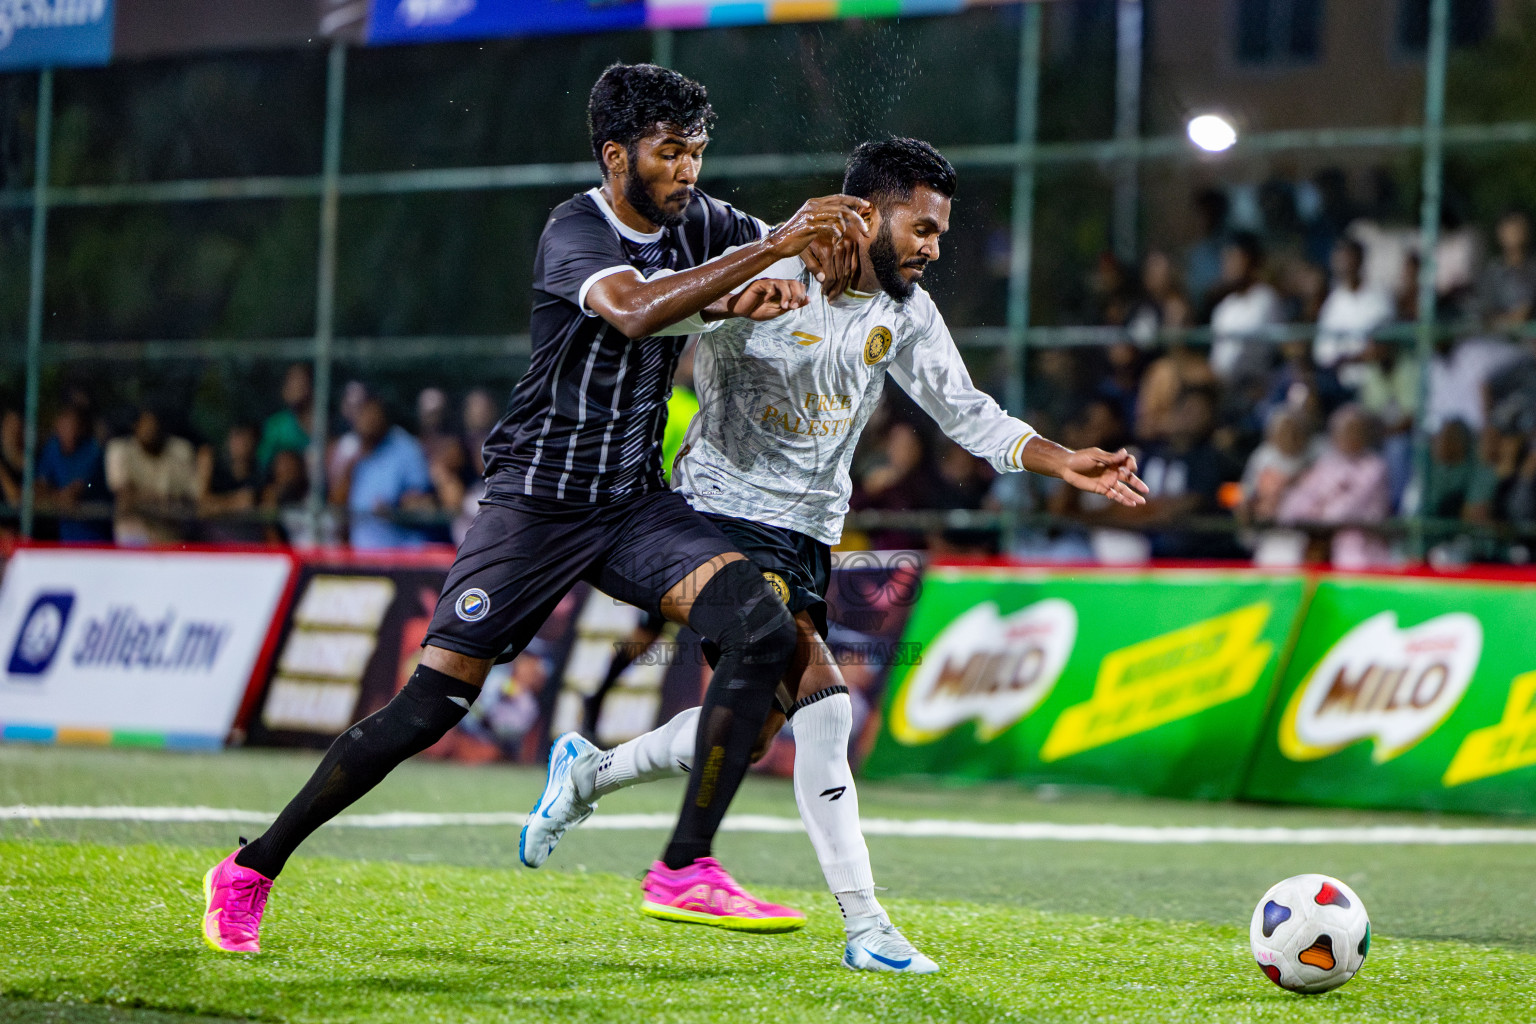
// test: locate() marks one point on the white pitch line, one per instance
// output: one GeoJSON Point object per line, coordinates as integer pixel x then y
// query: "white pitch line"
{"type": "Point", "coordinates": [926, 828]}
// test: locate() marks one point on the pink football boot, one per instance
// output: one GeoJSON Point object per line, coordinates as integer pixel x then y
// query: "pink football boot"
{"type": "Point", "coordinates": [702, 893]}
{"type": "Point", "coordinates": [236, 897]}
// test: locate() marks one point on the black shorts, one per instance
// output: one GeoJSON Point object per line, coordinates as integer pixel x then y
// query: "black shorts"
{"type": "Point", "coordinates": [523, 554]}
{"type": "Point", "coordinates": [799, 568]}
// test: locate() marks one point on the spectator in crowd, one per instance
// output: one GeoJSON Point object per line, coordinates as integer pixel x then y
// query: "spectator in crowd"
{"type": "Point", "coordinates": [1346, 486]}
{"type": "Point", "coordinates": [1297, 383]}
{"type": "Point", "coordinates": [1163, 306]}
{"type": "Point", "coordinates": [897, 480]}
{"type": "Point", "coordinates": [70, 472]}
{"type": "Point", "coordinates": [480, 415]}
{"type": "Point", "coordinates": [1506, 289]}
{"type": "Point", "coordinates": [282, 500]}
{"type": "Point", "coordinates": [390, 476]}
{"type": "Point", "coordinates": [1275, 465]}
{"type": "Point", "coordinates": [1179, 371]}
{"type": "Point", "coordinates": [1493, 477]}
{"type": "Point", "coordinates": [963, 482]}
{"type": "Point", "coordinates": [13, 457]}
{"type": "Point", "coordinates": [1249, 307]}
{"type": "Point", "coordinates": [345, 447]}
{"type": "Point", "coordinates": [1351, 312]}
{"type": "Point", "coordinates": [287, 430]}
{"type": "Point", "coordinates": [229, 486]}
{"type": "Point", "coordinates": [154, 483]}
{"type": "Point", "coordinates": [431, 417]}
{"type": "Point", "coordinates": [1458, 374]}
{"type": "Point", "coordinates": [1388, 389]}
{"type": "Point", "coordinates": [1203, 265]}
{"type": "Point", "coordinates": [1184, 476]}
{"type": "Point", "coordinates": [1451, 469]}
{"type": "Point", "coordinates": [1120, 384]}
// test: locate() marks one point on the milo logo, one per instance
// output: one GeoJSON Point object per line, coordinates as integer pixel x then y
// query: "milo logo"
{"type": "Point", "coordinates": [1384, 683]}
{"type": "Point", "coordinates": [985, 666]}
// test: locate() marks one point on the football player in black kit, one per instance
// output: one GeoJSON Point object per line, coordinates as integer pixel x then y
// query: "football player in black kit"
{"type": "Point", "coordinates": [574, 492]}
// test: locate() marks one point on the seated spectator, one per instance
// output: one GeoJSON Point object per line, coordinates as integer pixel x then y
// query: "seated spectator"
{"type": "Point", "coordinates": [1184, 476]}
{"type": "Point", "coordinates": [344, 447]}
{"type": "Point", "coordinates": [1121, 383]}
{"type": "Point", "coordinates": [1347, 485]}
{"type": "Point", "coordinates": [390, 475]}
{"type": "Point", "coordinates": [1506, 289]}
{"type": "Point", "coordinates": [897, 480]}
{"type": "Point", "coordinates": [431, 415]}
{"type": "Point", "coordinates": [481, 412]}
{"type": "Point", "coordinates": [1275, 465]}
{"type": "Point", "coordinates": [1451, 468]}
{"type": "Point", "coordinates": [1351, 311]}
{"type": "Point", "coordinates": [282, 500]}
{"type": "Point", "coordinates": [1458, 375]}
{"type": "Point", "coordinates": [1239, 350]}
{"type": "Point", "coordinates": [1297, 383]}
{"type": "Point", "coordinates": [70, 472]}
{"type": "Point", "coordinates": [1388, 389]}
{"type": "Point", "coordinates": [1163, 305]}
{"type": "Point", "coordinates": [963, 483]}
{"type": "Point", "coordinates": [228, 485]}
{"type": "Point", "coordinates": [1499, 456]}
{"type": "Point", "coordinates": [287, 430]}
{"type": "Point", "coordinates": [13, 457]}
{"type": "Point", "coordinates": [153, 479]}
{"type": "Point", "coordinates": [1178, 372]}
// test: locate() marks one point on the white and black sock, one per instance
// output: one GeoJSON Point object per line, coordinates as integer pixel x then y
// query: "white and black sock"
{"type": "Point", "coordinates": [663, 753]}
{"type": "Point", "coordinates": [829, 804]}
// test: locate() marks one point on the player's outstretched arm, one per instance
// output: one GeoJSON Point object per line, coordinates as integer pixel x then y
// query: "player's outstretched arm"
{"type": "Point", "coordinates": [1112, 474]}
{"type": "Point", "coordinates": [640, 308]}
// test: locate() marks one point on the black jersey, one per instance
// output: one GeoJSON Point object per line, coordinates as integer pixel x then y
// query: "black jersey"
{"type": "Point", "coordinates": [585, 422]}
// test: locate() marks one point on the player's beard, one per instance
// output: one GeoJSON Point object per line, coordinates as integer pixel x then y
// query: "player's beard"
{"type": "Point", "coordinates": [638, 193]}
{"type": "Point", "coordinates": [882, 256]}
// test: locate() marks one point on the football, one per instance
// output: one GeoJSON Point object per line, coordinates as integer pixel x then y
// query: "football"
{"type": "Point", "coordinates": [1310, 933]}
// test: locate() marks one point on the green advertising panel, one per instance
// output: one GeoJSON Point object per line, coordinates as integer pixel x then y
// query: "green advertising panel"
{"type": "Point", "coordinates": [1411, 693]}
{"type": "Point", "coordinates": [1153, 682]}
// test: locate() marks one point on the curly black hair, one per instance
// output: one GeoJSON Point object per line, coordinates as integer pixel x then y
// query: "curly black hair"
{"type": "Point", "coordinates": [886, 171]}
{"type": "Point", "coordinates": [630, 100]}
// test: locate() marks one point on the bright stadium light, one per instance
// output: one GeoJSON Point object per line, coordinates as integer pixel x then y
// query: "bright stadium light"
{"type": "Point", "coordinates": [1212, 133]}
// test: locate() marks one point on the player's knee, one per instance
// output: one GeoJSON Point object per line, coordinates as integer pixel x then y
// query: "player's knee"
{"type": "Point", "coordinates": [741, 613]}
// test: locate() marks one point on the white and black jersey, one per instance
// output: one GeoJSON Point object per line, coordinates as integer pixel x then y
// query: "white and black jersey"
{"type": "Point", "coordinates": [585, 422]}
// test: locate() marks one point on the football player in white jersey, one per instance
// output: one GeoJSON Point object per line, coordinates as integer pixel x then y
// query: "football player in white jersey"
{"type": "Point", "coordinates": [782, 404]}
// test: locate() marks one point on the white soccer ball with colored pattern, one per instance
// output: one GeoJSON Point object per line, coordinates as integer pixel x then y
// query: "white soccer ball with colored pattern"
{"type": "Point", "coordinates": [1310, 933]}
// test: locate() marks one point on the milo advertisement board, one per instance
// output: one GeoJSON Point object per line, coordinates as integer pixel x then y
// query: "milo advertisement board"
{"type": "Point", "coordinates": [1154, 682]}
{"type": "Point", "coordinates": [1411, 693]}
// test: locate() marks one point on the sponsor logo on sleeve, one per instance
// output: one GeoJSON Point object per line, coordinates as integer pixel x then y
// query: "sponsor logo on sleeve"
{"type": "Point", "coordinates": [41, 634]}
{"type": "Point", "coordinates": [992, 668]}
{"type": "Point", "coordinates": [1379, 681]}
{"type": "Point", "coordinates": [1164, 679]}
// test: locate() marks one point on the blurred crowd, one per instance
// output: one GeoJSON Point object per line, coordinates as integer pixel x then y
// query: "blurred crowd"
{"type": "Point", "coordinates": [385, 483]}
{"type": "Point", "coordinates": [1265, 375]}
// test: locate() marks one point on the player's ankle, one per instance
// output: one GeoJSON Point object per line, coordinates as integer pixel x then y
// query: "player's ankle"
{"type": "Point", "coordinates": [584, 774]}
{"type": "Point", "coordinates": [859, 908]}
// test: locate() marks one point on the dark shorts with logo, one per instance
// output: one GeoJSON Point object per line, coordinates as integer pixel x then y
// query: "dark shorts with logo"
{"type": "Point", "coordinates": [523, 554]}
{"type": "Point", "coordinates": [802, 565]}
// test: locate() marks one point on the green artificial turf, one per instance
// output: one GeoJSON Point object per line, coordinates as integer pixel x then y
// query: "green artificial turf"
{"type": "Point", "coordinates": [98, 920]}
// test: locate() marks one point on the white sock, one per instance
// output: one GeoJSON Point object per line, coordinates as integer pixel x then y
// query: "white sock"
{"type": "Point", "coordinates": [829, 806]}
{"type": "Point", "coordinates": [662, 753]}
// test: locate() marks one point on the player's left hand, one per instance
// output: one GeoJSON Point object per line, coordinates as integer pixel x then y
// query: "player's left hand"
{"type": "Point", "coordinates": [766, 298]}
{"type": "Point", "coordinates": [1112, 474]}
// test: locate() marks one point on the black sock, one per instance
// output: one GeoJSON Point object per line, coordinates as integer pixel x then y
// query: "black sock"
{"type": "Point", "coordinates": [740, 612]}
{"type": "Point", "coordinates": [420, 715]}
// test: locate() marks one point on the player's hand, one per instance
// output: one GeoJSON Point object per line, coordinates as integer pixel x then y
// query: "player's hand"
{"type": "Point", "coordinates": [830, 218]}
{"type": "Point", "coordinates": [765, 299]}
{"type": "Point", "coordinates": [835, 264]}
{"type": "Point", "coordinates": [1112, 474]}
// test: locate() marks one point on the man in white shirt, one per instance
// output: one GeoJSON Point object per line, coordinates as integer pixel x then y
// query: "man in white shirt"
{"type": "Point", "coordinates": [1239, 350]}
{"type": "Point", "coordinates": [153, 479]}
{"type": "Point", "coordinates": [1351, 312]}
{"type": "Point", "coordinates": [782, 404]}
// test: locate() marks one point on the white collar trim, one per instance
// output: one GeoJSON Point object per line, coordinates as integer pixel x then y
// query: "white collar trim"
{"type": "Point", "coordinates": [623, 229]}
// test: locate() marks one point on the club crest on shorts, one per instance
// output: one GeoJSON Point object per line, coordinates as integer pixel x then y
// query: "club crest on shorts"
{"type": "Point", "coordinates": [473, 605]}
{"type": "Point", "coordinates": [779, 586]}
{"type": "Point", "coordinates": [877, 345]}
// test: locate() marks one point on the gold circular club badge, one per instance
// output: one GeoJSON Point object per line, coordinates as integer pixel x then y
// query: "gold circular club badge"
{"type": "Point", "coordinates": [779, 586]}
{"type": "Point", "coordinates": [877, 345]}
